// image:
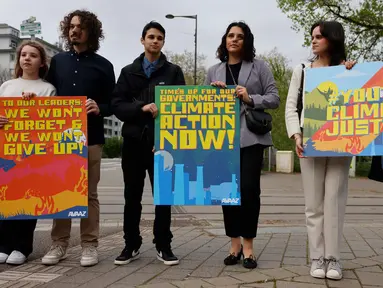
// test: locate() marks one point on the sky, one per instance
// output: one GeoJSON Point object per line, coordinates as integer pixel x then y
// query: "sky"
{"type": "Point", "coordinates": [123, 21]}
{"type": "Point", "coordinates": [344, 79]}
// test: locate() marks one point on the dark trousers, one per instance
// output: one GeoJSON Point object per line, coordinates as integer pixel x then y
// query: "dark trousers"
{"type": "Point", "coordinates": [242, 221]}
{"type": "Point", "coordinates": [137, 158]}
{"type": "Point", "coordinates": [17, 235]}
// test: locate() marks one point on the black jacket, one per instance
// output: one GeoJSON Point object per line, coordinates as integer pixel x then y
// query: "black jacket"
{"type": "Point", "coordinates": [376, 171]}
{"type": "Point", "coordinates": [134, 90]}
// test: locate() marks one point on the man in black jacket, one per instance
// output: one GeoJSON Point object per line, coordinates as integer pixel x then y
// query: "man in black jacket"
{"type": "Point", "coordinates": [133, 103]}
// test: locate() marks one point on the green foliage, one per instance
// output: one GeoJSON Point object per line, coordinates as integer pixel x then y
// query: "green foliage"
{"type": "Point", "coordinates": [315, 113]}
{"type": "Point", "coordinates": [112, 147]}
{"type": "Point", "coordinates": [363, 165]}
{"type": "Point", "coordinates": [186, 62]}
{"type": "Point", "coordinates": [310, 130]}
{"type": "Point", "coordinates": [363, 23]}
{"type": "Point", "coordinates": [278, 64]}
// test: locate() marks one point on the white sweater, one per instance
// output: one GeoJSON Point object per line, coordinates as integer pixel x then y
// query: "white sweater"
{"type": "Point", "coordinates": [291, 114]}
{"type": "Point", "coordinates": [16, 87]}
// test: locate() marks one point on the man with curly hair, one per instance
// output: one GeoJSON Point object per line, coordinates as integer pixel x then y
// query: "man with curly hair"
{"type": "Point", "coordinates": [76, 72]}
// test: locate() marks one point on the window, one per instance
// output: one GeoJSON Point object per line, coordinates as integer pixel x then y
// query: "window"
{"type": "Point", "coordinates": [15, 33]}
{"type": "Point", "coordinates": [105, 121]}
{"type": "Point", "coordinates": [115, 133]}
{"type": "Point", "coordinates": [12, 56]}
{"type": "Point", "coordinates": [13, 44]}
{"type": "Point", "coordinates": [116, 123]}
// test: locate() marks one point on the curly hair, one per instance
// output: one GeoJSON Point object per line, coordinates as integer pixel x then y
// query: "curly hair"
{"type": "Point", "coordinates": [90, 22]}
{"type": "Point", "coordinates": [248, 52]}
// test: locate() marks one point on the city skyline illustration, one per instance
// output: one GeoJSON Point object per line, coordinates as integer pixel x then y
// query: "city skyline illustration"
{"type": "Point", "coordinates": [173, 185]}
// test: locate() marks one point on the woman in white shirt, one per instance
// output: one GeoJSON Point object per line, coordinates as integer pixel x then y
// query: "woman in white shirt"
{"type": "Point", "coordinates": [325, 179]}
{"type": "Point", "coordinates": [16, 236]}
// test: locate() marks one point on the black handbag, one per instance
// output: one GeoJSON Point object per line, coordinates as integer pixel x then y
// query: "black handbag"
{"type": "Point", "coordinates": [257, 120]}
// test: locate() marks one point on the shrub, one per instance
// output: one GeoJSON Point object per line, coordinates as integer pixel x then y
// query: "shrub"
{"type": "Point", "coordinates": [112, 147]}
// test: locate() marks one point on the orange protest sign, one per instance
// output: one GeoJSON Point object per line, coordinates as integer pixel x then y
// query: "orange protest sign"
{"type": "Point", "coordinates": [43, 158]}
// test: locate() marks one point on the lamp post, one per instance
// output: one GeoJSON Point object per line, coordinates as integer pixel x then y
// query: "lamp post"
{"type": "Point", "coordinates": [170, 16]}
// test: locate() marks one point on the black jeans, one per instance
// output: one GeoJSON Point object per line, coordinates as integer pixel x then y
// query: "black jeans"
{"type": "Point", "coordinates": [137, 158]}
{"type": "Point", "coordinates": [242, 221]}
{"type": "Point", "coordinates": [17, 235]}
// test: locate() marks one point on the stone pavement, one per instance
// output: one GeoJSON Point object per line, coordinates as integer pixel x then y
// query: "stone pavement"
{"type": "Point", "coordinates": [282, 256]}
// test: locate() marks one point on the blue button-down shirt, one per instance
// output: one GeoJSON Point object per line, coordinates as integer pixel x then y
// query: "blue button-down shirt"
{"type": "Point", "coordinates": [149, 67]}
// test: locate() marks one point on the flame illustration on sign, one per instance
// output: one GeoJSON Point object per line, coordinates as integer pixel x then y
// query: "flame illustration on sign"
{"type": "Point", "coordinates": [3, 189]}
{"type": "Point", "coordinates": [82, 185]}
{"type": "Point", "coordinates": [47, 206]}
{"type": "Point", "coordinates": [322, 135]}
{"type": "Point", "coordinates": [355, 146]}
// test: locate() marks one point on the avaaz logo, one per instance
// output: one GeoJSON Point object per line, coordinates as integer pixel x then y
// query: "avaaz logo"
{"type": "Point", "coordinates": [77, 213]}
{"type": "Point", "coordinates": [230, 200]}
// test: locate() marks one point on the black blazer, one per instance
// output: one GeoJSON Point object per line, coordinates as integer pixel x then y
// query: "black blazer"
{"type": "Point", "coordinates": [376, 171]}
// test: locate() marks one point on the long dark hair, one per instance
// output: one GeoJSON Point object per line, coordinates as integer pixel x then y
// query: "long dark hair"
{"type": "Point", "coordinates": [43, 57]}
{"type": "Point", "coordinates": [248, 52]}
{"type": "Point", "coordinates": [89, 21]}
{"type": "Point", "coordinates": [334, 33]}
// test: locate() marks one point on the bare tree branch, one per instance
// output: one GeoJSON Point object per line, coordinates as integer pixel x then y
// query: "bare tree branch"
{"type": "Point", "coordinates": [349, 19]}
{"type": "Point", "coordinates": [5, 75]}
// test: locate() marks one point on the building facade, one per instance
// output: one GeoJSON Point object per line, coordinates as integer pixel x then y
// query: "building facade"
{"type": "Point", "coordinates": [10, 39]}
{"type": "Point", "coordinates": [112, 127]}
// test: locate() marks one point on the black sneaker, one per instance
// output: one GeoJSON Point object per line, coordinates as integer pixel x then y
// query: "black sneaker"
{"type": "Point", "coordinates": [127, 256]}
{"type": "Point", "coordinates": [166, 255]}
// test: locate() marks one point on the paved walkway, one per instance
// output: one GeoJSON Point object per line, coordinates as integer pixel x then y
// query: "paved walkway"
{"type": "Point", "coordinates": [282, 256]}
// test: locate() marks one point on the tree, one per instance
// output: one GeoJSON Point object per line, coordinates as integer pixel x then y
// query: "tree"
{"type": "Point", "coordinates": [363, 23]}
{"type": "Point", "coordinates": [5, 75]}
{"type": "Point", "coordinates": [278, 64]}
{"type": "Point", "coordinates": [282, 73]}
{"type": "Point", "coordinates": [186, 62]}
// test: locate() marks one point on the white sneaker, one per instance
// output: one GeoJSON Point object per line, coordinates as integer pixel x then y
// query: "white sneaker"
{"type": "Point", "coordinates": [16, 258]}
{"type": "Point", "coordinates": [334, 269]}
{"type": "Point", "coordinates": [318, 267]}
{"type": "Point", "coordinates": [3, 258]}
{"type": "Point", "coordinates": [54, 255]}
{"type": "Point", "coordinates": [89, 256]}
